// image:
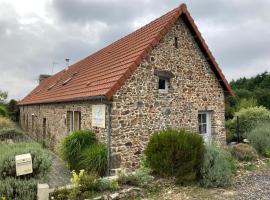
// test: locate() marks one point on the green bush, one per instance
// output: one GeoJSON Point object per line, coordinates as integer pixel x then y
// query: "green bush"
{"type": "Point", "coordinates": [244, 152]}
{"type": "Point", "coordinates": [6, 123]}
{"type": "Point", "coordinates": [3, 111]}
{"type": "Point", "coordinates": [217, 168]}
{"type": "Point", "coordinates": [94, 159]}
{"type": "Point", "coordinates": [176, 153]}
{"type": "Point", "coordinates": [106, 184]}
{"type": "Point", "coordinates": [18, 189]}
{"type": "Point", "coordinates": [72, 146]}
{"type": "Point", "coordinates": [140, 178]}
{"type": "Point", "coordinates": [60, 194]}
{"type": "Point", "coordinates": [259, 138]}
{"type": "Point", "coordinates": [41, 160]}
{"type": "Point", "coordinates": [11, 133]}
{"type": "Point", "coordinates": [249, 118]}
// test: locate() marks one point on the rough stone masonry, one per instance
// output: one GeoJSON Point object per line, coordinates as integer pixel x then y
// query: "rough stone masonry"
{"type": "Point", "coordinates": [138, 108]}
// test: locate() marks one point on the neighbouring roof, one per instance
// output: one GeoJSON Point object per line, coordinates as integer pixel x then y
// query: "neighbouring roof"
{"type": "Point", "coordinates": [104, 72]}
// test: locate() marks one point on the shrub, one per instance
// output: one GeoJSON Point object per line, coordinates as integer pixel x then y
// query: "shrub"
{"type": "Point", "coordinates": [6, 123]}
{"type": "Point", "coordinates": [176, 153]}
{"type": "Point", "coordinates": [249, 118]}
{"type": "Point", "coordinates": [140, 178]}
{"type": "Point", "coordinates": [94, 159]}
{"type": "Point", "coordinates": [244, 152]}
{"type": "Point", "coordinates": [72, 146]}
{"type": "Point", "coordinates": [11, 133]}
{"type": "Point", "coordinates": [3, 111]}
{"type": "Point", "coordinates": [217, 168]}
{"type": "Point", "coordinates": [41, 160]}
{"type": "Point", "coordinates": [260, 139]}
{"type": "Point", "coordinates": [106, 184]}
{"type": "Point", "coordinates": [60, 194]}
{"type": "Point", "coordinates": [18, 189]}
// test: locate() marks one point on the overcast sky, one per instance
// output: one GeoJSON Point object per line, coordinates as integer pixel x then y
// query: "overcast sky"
{"type": "Point", "coordinates": [34, 34]}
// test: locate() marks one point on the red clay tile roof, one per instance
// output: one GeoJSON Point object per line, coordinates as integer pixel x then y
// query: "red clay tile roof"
{"type": "Point", "coordinates": [104, 72]}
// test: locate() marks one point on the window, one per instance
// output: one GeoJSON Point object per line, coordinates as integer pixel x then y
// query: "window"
{"type": "Point", "coordinates": [176, 42]}
{"type": "Point", "coordinates": [33, 121]}
{"type": "Point", "coordinates": [204, 122]}
{"type": "Point", "coordinates": [44, 128]}
{"type": "Point", "coordinates": [77, 120]}
{"type": "Point", "coordinates": [163, 85]}
{"type": "Point", "coordinates": [73, 120]}
{"type": "Point", "coordinates": [26, 124]}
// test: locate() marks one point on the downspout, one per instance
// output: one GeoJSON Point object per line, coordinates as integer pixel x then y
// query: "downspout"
{"type": "Point", "coordinates": [109, 139]}
{"type": "Point", "coordinates": [109, 132]}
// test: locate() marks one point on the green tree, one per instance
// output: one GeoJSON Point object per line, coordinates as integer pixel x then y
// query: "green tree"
{"type": "Point", "coordinates": [13, 110]}
{"type": "Point", "coordinates": [3, 96]}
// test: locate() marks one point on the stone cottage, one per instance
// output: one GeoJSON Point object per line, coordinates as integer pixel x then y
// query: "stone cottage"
{"type": "Point", "coordinates": [161, 75]}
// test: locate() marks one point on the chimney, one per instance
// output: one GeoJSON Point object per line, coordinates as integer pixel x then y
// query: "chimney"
{"type": "Point", "coordinates": [42, 77]}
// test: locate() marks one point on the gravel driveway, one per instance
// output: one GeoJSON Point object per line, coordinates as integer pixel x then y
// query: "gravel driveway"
{"type": "Point", "coordinates": [253, 186]}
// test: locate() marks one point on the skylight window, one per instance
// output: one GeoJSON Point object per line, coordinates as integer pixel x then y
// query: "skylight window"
{"type": "Point", "coordinates": [70, 78]}
{"type": "Point", "coordinates": [38, 91]}
{"type": "Point", "coordinates": [67, 80]}
{"type": "Point", "coordinates": [49, 88]}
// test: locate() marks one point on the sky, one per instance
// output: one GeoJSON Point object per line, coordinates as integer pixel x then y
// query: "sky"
{"type": "Point", "coordinates": [37, 35]}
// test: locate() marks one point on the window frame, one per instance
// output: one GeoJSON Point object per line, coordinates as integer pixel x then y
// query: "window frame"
{"type": "Point", "coordinates": [71, 126]}
{"type": "Point", "coordinates": [166, 89]}
{"type": "Point", "coordinates": [208, 134]}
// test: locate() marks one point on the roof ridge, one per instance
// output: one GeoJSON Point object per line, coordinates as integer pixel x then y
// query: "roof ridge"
{"type": "Point", "coordinates": [105, 71]}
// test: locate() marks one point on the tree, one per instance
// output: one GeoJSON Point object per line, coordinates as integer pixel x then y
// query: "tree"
{"type": "Point", "coordinates": [3, 96]}
{"type": "Point", "coordinates": [13, 110]}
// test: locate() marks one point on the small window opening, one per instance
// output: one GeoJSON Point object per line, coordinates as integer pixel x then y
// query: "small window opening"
{"type": "Point", "coordinates": [163, 85]}
{"type": "Point", "coordinates": [44, 128]}
{"type": "Point", "coordinates": [73, 121]}
{"type": "Point", "coordinates": [33, 122]}
{"type": "Point", "coordinates": [176, 42]}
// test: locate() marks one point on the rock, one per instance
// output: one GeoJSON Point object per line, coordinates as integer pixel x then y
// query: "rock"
{"type": "Point", "coordinates": [114, 196]}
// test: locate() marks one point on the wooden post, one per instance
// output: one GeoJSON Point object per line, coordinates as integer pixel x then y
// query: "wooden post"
{"type": "Point", "coordinates": [43, 192]}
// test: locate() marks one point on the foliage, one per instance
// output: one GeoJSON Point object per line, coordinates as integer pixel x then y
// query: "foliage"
{"type": "Point", "coordinates": [6, 123]}
{"type": "Point", "coordinates": [256, 88]}
{"type": "Point", "coordinates": [259, 138]}
{"type": "Point", "coordinates": [3, 96]}
{"type": "Point", "coordinates": [60, 194]}
{"type": "Point", "coordinates": [13, 110]}
{"type": "Point", "coordinates": [18, 189]}
{"type": "Point", "coordinates": [106, 184]}
{"type": "Point", "coordinates": [248, 119]}
{"type": "Point", "coordinates": [176, 153]}
{"type": "Point", "coordinates": [75, 180]}
{"type": "Point", "coordinates": [84, 185]}
{"type": "Point", "coordinates": [217, 168]}
{"type": "Point", "coordinates": [94, 159]}
{"type": "Point", "coordinates": [3, 111]}
{"type": "Point", "coordinates": [11, 133]}
{"type": "Point", "coordinates": [141, 178]}
{"type": "Point", "coordinates": [244, 152]}
{"type": "Point", "coordinates": [41, 160]}
{"type": "Point", "coordinates": [72, 146]}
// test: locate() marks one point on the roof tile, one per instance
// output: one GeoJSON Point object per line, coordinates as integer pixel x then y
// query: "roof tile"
{"type": "Point", "coordinates": [104, 72]}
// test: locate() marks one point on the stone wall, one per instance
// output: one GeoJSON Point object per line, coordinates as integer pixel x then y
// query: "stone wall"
{"type": "Point", "coordinates": [56, 125]}
{"type": "Point", "coordinates": [139, 109]}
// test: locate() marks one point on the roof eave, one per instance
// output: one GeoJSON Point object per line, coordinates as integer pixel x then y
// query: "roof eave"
{"type": "Point", "coordinates": [87, 98]}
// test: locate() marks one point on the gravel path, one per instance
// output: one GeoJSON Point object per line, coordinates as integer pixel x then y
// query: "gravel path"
{"type": "Point", "coordinates": [253, 186]}
{"type": "Point", "coordinates": [59, 174]}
